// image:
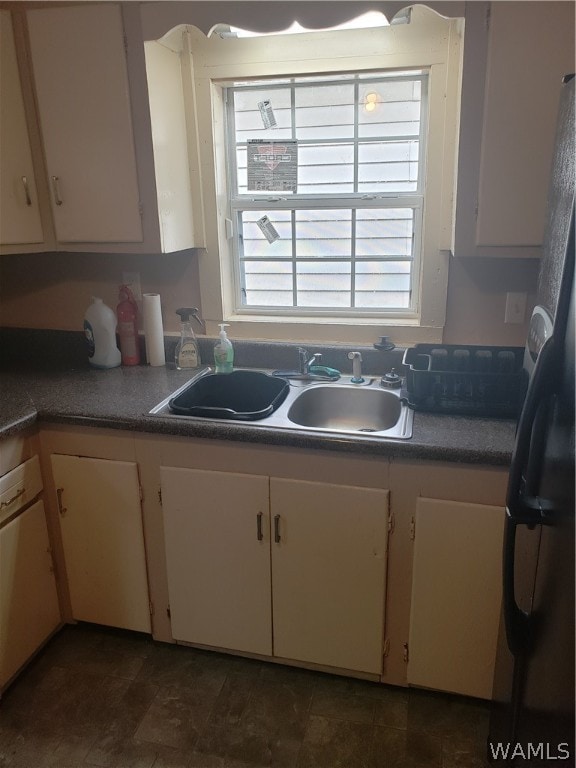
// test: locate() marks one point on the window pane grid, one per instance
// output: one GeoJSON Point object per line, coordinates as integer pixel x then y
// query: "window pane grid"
{"type": "Point", "coordinates": [366, 265]}
{"type": "Point", "coordinates": [346, 259]}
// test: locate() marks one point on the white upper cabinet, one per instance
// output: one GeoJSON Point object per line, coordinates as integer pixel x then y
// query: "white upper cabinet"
{"type": "Point", "coordinates": [514, 59]}
{"type": "Point", "coordinates": [81, 81]}
{"type": "Point", "coordinates": [117, 131]}
{"type": "Point", "coordinates": [180, 225]}
{"type": "Point", "coordinates": [20, 221]}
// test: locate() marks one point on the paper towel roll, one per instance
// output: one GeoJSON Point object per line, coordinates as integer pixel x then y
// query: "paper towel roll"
{"type": "Point", "coordinates": [153, 329]}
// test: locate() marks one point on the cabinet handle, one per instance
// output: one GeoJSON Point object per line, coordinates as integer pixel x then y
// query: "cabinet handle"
{"type": "Point", "coordinates": [17, 495]}
{"type": "Point", "coordinates": [56, 190]}
{"type": "Point", "coordinates": [259, 534]}
{"type": "Point", "coordinates": [61, 508]}
{"type": "Point", "coordinates": [26, 191]}
{"type": "Point", "coordinates": [277, 529]}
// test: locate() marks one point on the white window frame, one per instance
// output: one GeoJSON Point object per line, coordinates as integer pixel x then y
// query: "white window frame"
{"type": "Point", "coordinates": [429, 42]}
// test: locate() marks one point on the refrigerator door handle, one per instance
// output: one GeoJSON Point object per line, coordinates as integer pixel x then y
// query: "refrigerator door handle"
{"type": "Point", "coordinates": [516, 621]}
{"type": "Point", "coordinates": [531, 432]}
{"type": "Point", "coordinates": [522, 507]}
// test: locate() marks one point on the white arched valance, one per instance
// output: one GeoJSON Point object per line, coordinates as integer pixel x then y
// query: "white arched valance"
{"type": "Point", "coordinates": [275, 16]}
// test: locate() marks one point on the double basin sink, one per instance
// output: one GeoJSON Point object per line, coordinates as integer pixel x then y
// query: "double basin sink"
{"type": "Point", "coordinates": [340, 407]}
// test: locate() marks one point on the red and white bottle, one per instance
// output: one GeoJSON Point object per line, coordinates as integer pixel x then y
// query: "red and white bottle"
{"type": "Point", "coordinates": [127, 314]}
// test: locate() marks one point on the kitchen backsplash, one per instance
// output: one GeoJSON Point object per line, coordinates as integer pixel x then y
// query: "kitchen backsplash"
{"type": "Point", "coordinates": [53, 290]}
{"type": "Point", "coordinates": [51, 349]}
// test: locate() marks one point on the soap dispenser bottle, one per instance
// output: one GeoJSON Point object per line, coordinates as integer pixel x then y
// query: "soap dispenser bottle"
{"type": "Point", "coordinates": [187, 353]}
{"type": "Point", "coordinates": [223, 352]}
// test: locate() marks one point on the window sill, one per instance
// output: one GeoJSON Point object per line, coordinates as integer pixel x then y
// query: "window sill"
{"type": "Point", "coordinates": [404, 332]}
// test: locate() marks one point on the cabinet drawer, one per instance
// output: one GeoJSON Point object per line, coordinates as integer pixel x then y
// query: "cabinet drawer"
{"type": "Point", "coordinates": [19, 487]}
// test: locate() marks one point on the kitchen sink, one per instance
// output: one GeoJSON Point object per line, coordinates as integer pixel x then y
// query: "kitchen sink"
{"type": "Point", "coordinates": [349, 408]}
{"type": "Point", "coordinates": [340, 407]}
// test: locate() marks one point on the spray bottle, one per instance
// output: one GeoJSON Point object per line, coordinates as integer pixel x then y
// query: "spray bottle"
{"type": "Point", "coordinates": [187, 352]}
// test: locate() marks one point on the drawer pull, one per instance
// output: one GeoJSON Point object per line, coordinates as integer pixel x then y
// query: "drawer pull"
{"type": "Point", "coordinates": [17, 495]}
{"type": "Point", "coordinates": [259, 534]}
{"type": "Point", "coordinates": [61, 508]}
{"type": "Point", "coordinates": [277, 529]}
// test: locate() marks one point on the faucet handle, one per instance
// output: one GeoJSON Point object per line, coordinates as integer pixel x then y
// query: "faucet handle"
{"type": "Point", "coordinates": [302, 359]}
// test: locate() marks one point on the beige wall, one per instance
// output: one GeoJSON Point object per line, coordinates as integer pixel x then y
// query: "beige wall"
{"type": "Point", "coordinates": [476, 304]}
{"type": "Point", "coordinates": [54, 290]}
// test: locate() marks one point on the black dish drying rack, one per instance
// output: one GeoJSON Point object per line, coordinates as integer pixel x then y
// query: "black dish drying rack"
{"type": "Point", "coordinates": [465, 380]}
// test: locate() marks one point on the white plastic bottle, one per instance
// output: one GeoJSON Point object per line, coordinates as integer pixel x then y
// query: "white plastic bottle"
{"type": "Point", "coordinates": [100, 332]}
{"type": "Point", "coordinates": [223, 352]}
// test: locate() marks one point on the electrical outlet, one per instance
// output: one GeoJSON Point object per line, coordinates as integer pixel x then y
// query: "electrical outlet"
{"type": "Point", "coordinates": [515, 307]}
{"type": "Point", "coordinates": [132, 279]}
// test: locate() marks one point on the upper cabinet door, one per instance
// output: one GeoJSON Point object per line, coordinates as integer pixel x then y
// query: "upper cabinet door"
{"type": "Point", "coordinates": [515, 56]}
{"type": "Point", "coordinates": [80, 75]}
{"type": "Point", "coordinates": [19, 213]}
{"type": "Point", "coordinates": [531, 47]}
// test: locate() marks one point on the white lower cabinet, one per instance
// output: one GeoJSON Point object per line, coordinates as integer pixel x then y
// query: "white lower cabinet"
{"type": "Point", "coordinates": [456, 596]}
{"type": "Point", "coordinates": [29, 610]}
{"type": "Point", "coordinates": [218, 564]}
{"type": "Point", "coordinates": [329, 573]}
{"type": "Point", "coordinates": [277, 567]}
{"type": "Point", "coordinates": [101, 525]}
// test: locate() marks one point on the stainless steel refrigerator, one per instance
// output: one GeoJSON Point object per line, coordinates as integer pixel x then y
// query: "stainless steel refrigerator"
{"type": "Point", "coordinates": [532, 719]}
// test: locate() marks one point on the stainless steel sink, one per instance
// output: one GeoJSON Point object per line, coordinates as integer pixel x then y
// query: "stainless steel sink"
{"type": "Point", "coordinates": [339, 407]}
{"type": "Point", "coordinates": [349, 408]}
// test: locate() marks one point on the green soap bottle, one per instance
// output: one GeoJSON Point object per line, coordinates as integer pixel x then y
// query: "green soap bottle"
{"type": "Point", "coordinates": [223, 352]}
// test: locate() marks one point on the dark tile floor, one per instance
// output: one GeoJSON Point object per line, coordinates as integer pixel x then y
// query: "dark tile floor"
{"type": "Point", "coordinates": [98, 697]}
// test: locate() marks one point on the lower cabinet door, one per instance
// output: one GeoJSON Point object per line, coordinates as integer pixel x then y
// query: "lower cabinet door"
{"type": "Point", "coordinates": [217, 537]}
{"type": "Point", "coordinates": [29, 610]}
{"type": "Point", "coordinates": [329, 549]}
{"type": "Point", "coordinates": [456, 596]}
{"type": "Point", "coordinates": [103, 539]}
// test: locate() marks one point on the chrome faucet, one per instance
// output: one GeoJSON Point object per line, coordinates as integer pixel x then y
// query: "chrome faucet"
{"type": "Point", "coordinates": [305, 363]}
{"type": "Point", "coordinates": [356, 358]}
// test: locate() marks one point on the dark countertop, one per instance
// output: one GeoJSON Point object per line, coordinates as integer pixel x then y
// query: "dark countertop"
{"type": "Point", "coordinates": [121, 398]}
